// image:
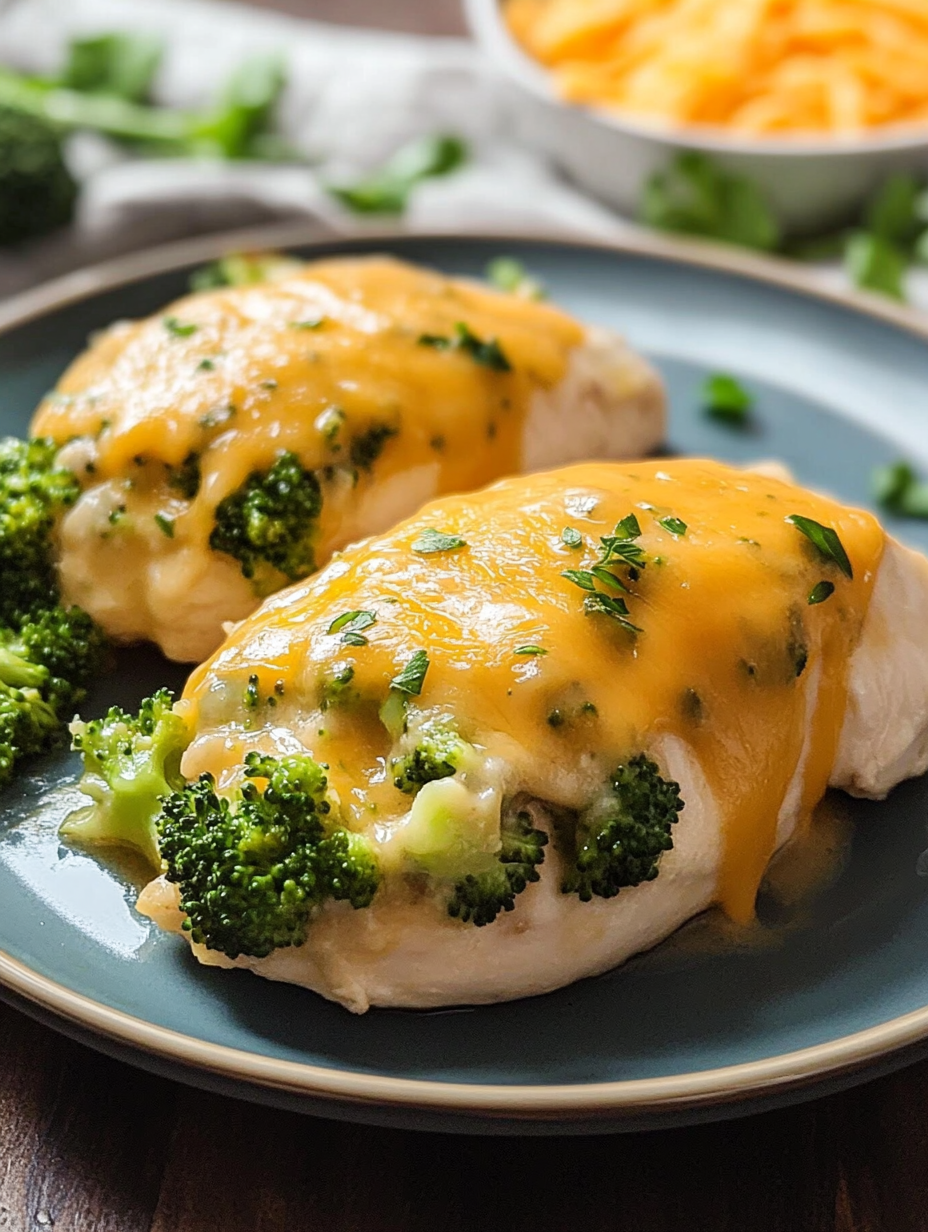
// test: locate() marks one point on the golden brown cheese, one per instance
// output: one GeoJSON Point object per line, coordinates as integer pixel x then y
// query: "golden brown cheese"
{"type": "Point", "coordinates": [310, 363]}
{"type": "Point", "coordinates": [730, 649]}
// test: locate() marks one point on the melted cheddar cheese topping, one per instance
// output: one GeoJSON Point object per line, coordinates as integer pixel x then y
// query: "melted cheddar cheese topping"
{"type": "Point", "coordinates": [343, 361]}
{"type": "Point", "coordinates": [731, 657]}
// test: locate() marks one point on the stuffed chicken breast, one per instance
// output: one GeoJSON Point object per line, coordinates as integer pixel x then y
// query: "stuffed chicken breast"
{"type": "Point", "coordinates": [529, 733]}
{"type": "Point", "coordinates": [233, 442]}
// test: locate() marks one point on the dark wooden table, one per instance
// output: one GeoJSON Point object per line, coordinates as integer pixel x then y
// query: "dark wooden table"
{"type": "Point", "coordinates": [88, 1144]}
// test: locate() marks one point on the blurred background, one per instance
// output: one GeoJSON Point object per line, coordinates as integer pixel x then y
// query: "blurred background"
{"type": "Point", "coordinates": [796, 129]}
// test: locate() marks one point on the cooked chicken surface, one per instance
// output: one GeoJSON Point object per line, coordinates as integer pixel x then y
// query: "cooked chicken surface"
{"type": "Point", "coordinates": [658, 667]}
{"type": "Point", "coordinates": [370, 385]}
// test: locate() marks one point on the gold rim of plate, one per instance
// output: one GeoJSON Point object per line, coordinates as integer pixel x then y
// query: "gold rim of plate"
{"type": "Point", "coordinates": [704, 1088]}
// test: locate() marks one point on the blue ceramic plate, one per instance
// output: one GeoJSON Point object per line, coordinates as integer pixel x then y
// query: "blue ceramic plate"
{"type": "Point", "coordinates": [681, 1034]}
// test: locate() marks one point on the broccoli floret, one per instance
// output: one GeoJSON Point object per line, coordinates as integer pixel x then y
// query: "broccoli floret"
{"type": "Point", "coordinates": [48, 653]}
{"type": "Point", "coordinates": [620, 838]}
{"type": "Point", "coordinates": [271, 520]}
{"type": "Point", "coordinates": [336, 690]}
{"type": "Point", "coordinates": [33, 493]}
{"type": "Point", "coordinates": [28, 723]}
{"type": "Point", "coordinates": [37, 191]}
{"type": "Point", "coordinates": [251, 870]}
{"type": "Point", "coordinates": [437, 755]}
{"type": "Point", "coordinates": [45, 666]}
{"type": "Point", "coordinates": [130, 763]}
{"type": "Point", "coordinates": [479, 898]}
{"type": "Point", "coordinates": [69, 645]}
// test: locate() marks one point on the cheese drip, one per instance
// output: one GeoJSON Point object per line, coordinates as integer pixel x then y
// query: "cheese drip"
{"type": "Point", "coordinates": [313, 362]}
{"type": "Point", "coordinates": [731, 656]}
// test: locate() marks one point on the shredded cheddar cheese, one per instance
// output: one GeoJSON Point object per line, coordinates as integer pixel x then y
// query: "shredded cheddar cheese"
{"type": "Point", "coordinates": [754, 66]}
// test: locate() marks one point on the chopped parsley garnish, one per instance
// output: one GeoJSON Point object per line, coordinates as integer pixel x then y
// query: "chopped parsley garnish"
{"type": "Point", "coordinates": [673, 525]}
{"type": "Point", "coordinates": [508, 274]}
{"type": "Point", "coordinates": [411, 678]}
{"type": "Point", "coordinates": [180, 329]}
{"type": "Point", "coordinates": [165, 524]}
{"type": "Point", "coordinates": [820, 592]}
{"type": "Point", "coordinates": [351, 626]}
{"type": "Point", "coordinates": [618, 548]}
{"type": "Point", "coordinates": [580, 577]}
{"type": "Point", "coordinates": [206, 365]}
{"type": "Point", "coordinates": [606, 605]}
{"type": "Point", "coordinates": [571, 537]}
{"type": "Point", "coordinates": [608, 579]}
{"type": "Point", "coordinates": [530, 650]}
{"type": "Point", "coordinates": [726, 400]}
{"type": "Point", "coordinates": [899, 490]}
{"type": "Point", "coordinates": [487, 352]}
{"type": "Point", "coordinates": [432, 540]}
{"type": "Point", "coordinates": [825, 540]}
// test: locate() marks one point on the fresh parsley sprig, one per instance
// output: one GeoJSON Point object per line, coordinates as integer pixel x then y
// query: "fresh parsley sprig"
{"type": "Point", "coordinates": [618, 549]}
{"type": "Point", "coordinates": [898, 489]}
{"type": "Point", "coordinates": [724, 398]}
{"type": "Point", "coordinates": [387, 190]}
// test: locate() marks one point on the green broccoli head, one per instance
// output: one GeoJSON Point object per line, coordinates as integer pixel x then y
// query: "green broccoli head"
{"type": "Point", "coordinates": [620, 838]}
{"type": "Point", "coordinates": [28, 723]}
{"type": "Point", "coordinates": [251, 870]}
{"type": "Point", "coordinates": [68, 644]}
{"type": "Point", "coordinates": [479, 898]}
{"type": "Point", "coordinates": [271, 520]}
{"type": "Point", "coordinates": [34, 491]}
{"type": "Point", "coordinates": [438, 753]}
{"type": "Point", "coordinates": [37, 191]}
{"type": "Point", "coordinates": [130, 763]}
{"type": "Point", "coordinates": [45, 666]}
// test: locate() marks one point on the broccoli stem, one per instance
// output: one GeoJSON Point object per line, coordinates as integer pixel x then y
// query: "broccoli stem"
{"type": "Point", "coordinates": [19, 673]}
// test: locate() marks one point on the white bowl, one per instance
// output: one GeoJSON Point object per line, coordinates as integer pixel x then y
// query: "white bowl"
{"type": "Point", "coordinates": [810, 182]}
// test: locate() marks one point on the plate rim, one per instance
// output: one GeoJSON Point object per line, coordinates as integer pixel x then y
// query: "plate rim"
{"type": "Point", "coordinates": [701, 1088]}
